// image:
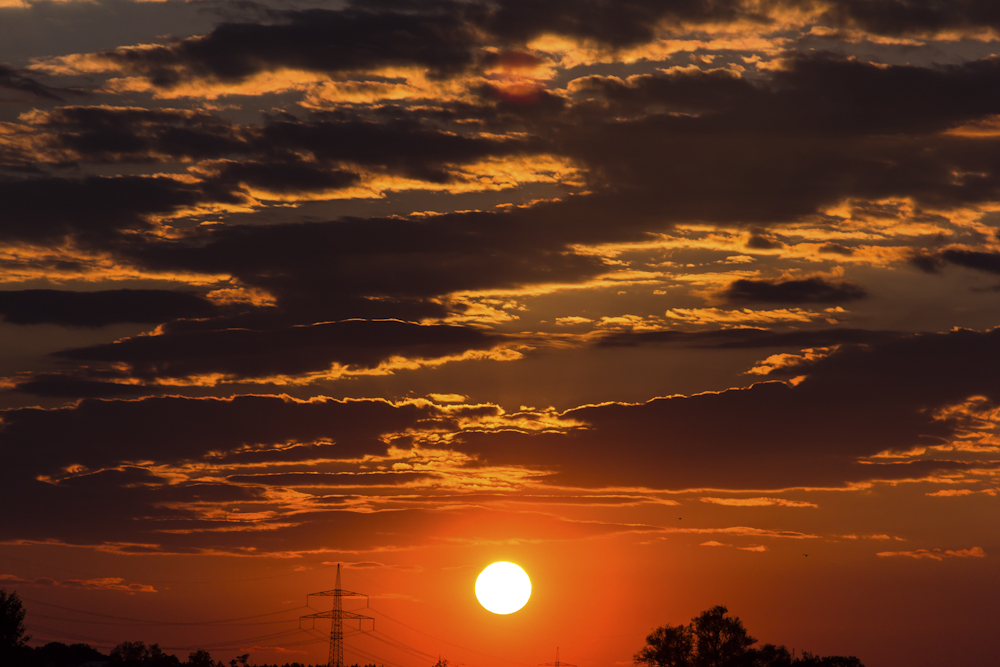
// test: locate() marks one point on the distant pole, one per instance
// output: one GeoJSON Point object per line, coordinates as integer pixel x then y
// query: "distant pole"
{"type": "Point", "coordinates": [337, 616]}
{"type": "Point", "coordinates": [557, 663]}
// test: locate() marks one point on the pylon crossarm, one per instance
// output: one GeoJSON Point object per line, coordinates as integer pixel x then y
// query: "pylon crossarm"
{"type": "Point", "coordinates": [349, 615]}
{"type": "Point", "coordinates": [341, 593]}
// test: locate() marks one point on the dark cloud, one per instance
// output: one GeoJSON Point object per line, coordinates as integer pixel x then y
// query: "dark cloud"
{"type": "Point", "coordinates": [970, 259]}
{"type": "Point", "coordinates": [240, 353]}
{"type": "Point", "coordinates": [761, 242]}
{"type": "Point", "coordinates": [100, 308]}
{"type": "Point", "coordinates": [102, 433]}
{"type": "Point", "coordinates": [310, 479]}
{"type": "Point", "coordinates": [285, 178]}
{"type": "Point", "coordinates": [406, 260]}
{"type": "Point", "coordinates": [16, 80]}
{"type": "Point", "coordinates": [817, 92]}
{"type": "Point", "coordinates": [54, 385]}
{"type": "Point", "coordinates": [808, 290]}
{"type": "Point", "coordinates": [42, 210]}
{"type": "Point", "coordinates": [748, 338]}
{"type": "Point", "coordinates": [617, 24]}
{"type": "Point", "coordinates": [854, 403]}
{"type": "Point", "coordinates": [857, 402]}
{"type": "Point", "coordinates": [445, 38]}
{"type": "Point", "coordinates": [270, 156]}
{"type": "Point", "coordinates": [768, 436]}
{"type": "Point", "coordinates": [988, 262]}
{"type": "Point", "coordinates": [926, 262]}
{"type": "Point", "coordinates": [635, 22]}
{"type": "Point", "coordinates": [133, 134]}
{"type": "Point", "coordinates": [897, 17]}
{"type": "Point", "coordinates": [784, 147]}
{"type": "Point", "coordinates": [406, 146]}
{"type": "Point", "coordinates": [775, 151]}
{"type": "Point", "coordinates": [836, 249]}
{"type": "Point", "coordinates": [315, 40]}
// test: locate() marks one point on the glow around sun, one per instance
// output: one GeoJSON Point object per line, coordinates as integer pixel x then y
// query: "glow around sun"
{"type": "Point", "coordinates": [503, 588]}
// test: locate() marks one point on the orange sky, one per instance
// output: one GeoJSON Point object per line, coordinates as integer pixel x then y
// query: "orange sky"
{"type": "Point", "coordinates": [675, 304]}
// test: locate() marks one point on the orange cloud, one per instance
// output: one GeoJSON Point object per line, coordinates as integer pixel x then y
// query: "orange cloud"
{"type": "Point", "coordinates": [702, 316]}
{"type": "Point", "coordinates": [103, 584]}
{"type": "Point", "coordinates": [936, 554]}
{"type": "Point", "coordinates": [757, 502]}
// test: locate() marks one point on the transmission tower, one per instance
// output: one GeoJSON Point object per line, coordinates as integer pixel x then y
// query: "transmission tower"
{"type": "Point", "coordinates": [557, 663]}
{"type": "Point", "coordinates": [337, 614]}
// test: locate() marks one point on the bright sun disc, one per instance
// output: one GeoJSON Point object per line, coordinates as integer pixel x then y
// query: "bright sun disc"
{"type": "Point", "coordinates": [503, 588]}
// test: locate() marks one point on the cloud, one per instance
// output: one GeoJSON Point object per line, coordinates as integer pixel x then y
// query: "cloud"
{"type": "Point", "coordinates": [290, 351]}
{"type": "Point", "coordinates": [206, 471]}
{"type": "Point", "coordinates": [703, 316]}
{"type": "Point", "coordinates": [286, 158]}
{"type": "Point", "coordinates": [739, 130]}
{"type": "Point", "coordinates": [55, 385]}
{"type": "Point", "coordinates": [747, 338]}
{"type": "Point", "coordinates": [935, 554]}
{"type": "Point", "coordinates": [93, 208]}
{"type": "Point", "coordinates": [855, 402]}
{"type": "Point", "coordinates": [757, 502]}
{"type": "Point", "coordinates": [888, 17]}
{"type": "Point", "coordinates": [808, 290]}
{"type": "Point", "coordinates": [341, 479]}
{"type": "Point", "coordinates": [312, 40]}
{"type": "Point", "coordinates": [17, 81]}
{"type": "Point", "coordinates": [988, 262]}
{"type": "Point", "coordinates": [389, 267]}
{"type": "Point", "coordinates": [111, 134]}
{"type": "Point", "coordinates": [372, 262]}
{"type": "Point", "coordinates": [100, 308]}
{"type": "Point", "coordinates": [619, 26]}
{"type": "Point", "coordinates": [103, 584]}
{"type": "Point", "coordinates": [99, 433]}
{"type": "Point", "coordinates": [371, 564]}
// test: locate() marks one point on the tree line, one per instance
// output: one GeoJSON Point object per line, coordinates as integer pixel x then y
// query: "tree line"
{"type": "Point", "coordinates": [716, 639]}
{"type": "Point", "coordinates": [712, 639]}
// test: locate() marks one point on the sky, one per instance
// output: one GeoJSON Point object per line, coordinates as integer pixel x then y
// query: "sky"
{"type": "Point", "coordinates": [674, 303]}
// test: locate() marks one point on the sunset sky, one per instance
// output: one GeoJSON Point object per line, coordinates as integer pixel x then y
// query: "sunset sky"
{"type": "Point", "coordinates": [674, 303]}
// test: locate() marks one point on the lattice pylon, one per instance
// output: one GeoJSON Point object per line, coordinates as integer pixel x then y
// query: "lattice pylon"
{"type": "Point", "coordinates": [557, 663]}
{"type": "Point", "coordinates": [337, 616]}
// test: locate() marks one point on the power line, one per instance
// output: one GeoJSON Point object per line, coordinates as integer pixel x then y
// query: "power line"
{"type": "Point", "coordinates": [143, 623]}
{"type": "Point", "coordinates": [151, 622]}
{"type": "Point", "coordinates": [399, 645]}
{"type": "Point", "coordinates": [355, 650]}
{"type": "Point", "coordinates": [464, 648]}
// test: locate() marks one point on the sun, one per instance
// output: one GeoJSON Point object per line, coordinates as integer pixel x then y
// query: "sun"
{"type": "Point", "coordinates": [503, 588]}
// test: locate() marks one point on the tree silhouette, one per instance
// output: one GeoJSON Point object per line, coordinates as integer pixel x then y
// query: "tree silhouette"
{"type": "Point", "coordinates": [770, 655]}
{"type": "Point", "coordinates": [668, 646]}
{"type": "Point", "coordinates": [200, 658]}
{"type": "Point", "coordinates": [57, 654]}
{"type": "Point", "coordinates": [130, 653]}
{"type": "Point", "coordinates": [720, 640]}
{"type": "Point", "coordinates": [810, 660]}
{"type": "Point", "coordinates": [137, 654]}
{"type": "Point", "coordinates": [715, 639]}
{"type": "Point", "coordinates": [13, 639]}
